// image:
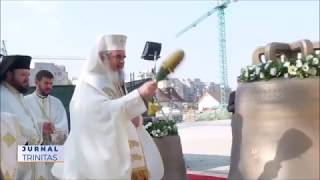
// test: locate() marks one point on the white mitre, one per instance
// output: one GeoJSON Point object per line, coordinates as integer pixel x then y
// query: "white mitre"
{"type": "Point", "coordinates": [115, 42]}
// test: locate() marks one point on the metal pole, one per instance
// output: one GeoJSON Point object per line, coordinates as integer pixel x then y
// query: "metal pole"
{"type": "Point", "coordinates": [222, 56]}
{"type": "Point", "coordinates": [155, 58]}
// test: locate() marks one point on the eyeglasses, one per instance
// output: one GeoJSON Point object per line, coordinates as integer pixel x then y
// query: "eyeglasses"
{"type": "Point", "coordinates": [117, 57]}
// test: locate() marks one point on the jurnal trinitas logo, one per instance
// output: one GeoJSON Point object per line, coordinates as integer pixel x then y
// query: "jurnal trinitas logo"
{"type": "Point", "coordinates": [40, 153]}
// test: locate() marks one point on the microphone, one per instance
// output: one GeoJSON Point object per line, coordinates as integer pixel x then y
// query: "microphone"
{"type": "Point", "coordinates": [169, 65]}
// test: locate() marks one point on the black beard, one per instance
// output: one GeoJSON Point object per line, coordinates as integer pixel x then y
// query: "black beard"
{"type": "Point", "coordinates": [42, 93]}
{"type": "Point", "coordinates": [19, 87]}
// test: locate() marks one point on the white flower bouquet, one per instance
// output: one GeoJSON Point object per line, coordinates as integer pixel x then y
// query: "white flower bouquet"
{"type": "Point", "coordinates": [161, 128]}
{"type": "Point", "coordinates": [302, 67]}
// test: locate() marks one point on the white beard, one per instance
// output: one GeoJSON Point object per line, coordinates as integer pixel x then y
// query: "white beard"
{"type": "Point", "coordinates": [117, 77]}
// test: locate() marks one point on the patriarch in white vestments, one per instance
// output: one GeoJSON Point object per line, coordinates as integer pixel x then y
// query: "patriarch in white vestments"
{"type": "Point", "coordinates": [107, 139]}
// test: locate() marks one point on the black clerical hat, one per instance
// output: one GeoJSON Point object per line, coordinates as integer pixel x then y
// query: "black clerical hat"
{"type": "Point", "coordinates": [12, 62]}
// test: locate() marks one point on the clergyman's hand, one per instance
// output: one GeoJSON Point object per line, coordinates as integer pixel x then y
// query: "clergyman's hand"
{"type": "Point", "coordinates": [47, 128]}
{"type": "Point", "coordinates": [136, 121]}
{"type": "Point", "coordinates": [148, 89]}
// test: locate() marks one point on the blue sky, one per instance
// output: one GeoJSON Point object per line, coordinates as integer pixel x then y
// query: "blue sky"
{"type": "Point", "coordinates": [70, 28]}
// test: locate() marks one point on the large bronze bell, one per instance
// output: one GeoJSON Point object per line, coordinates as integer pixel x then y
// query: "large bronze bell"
{"type": "Point", "coordinates": [277, 123]}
